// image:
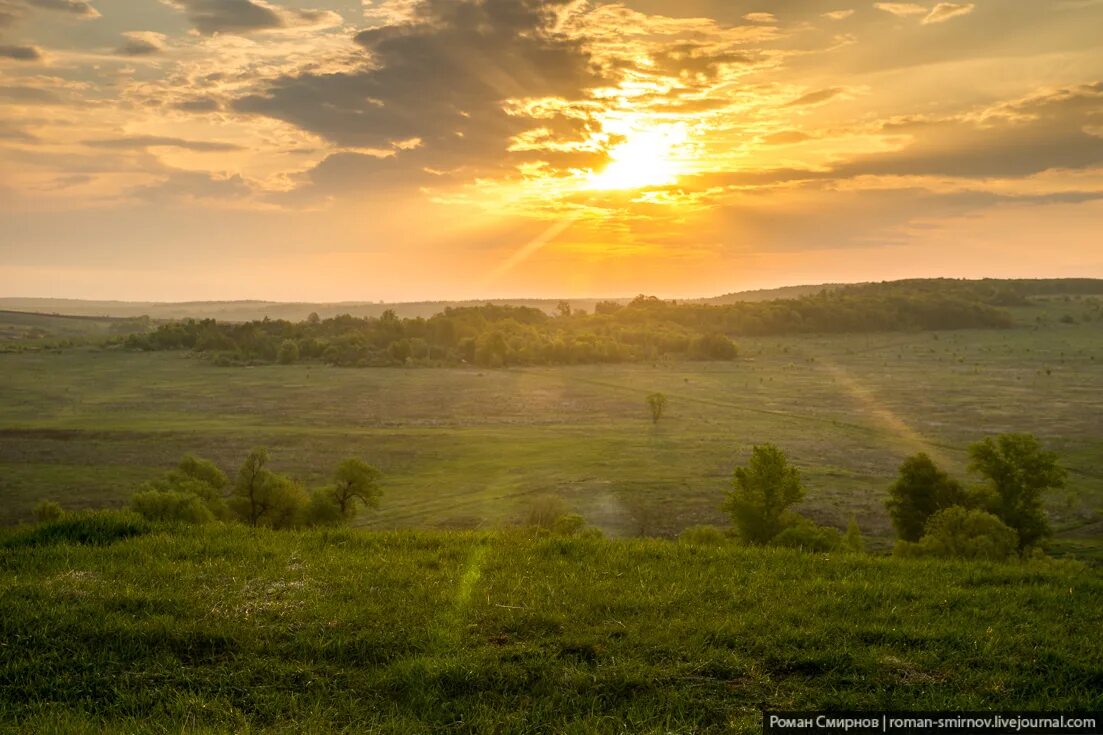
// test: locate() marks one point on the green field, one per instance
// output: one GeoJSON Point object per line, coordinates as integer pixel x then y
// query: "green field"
{"type": "Point", "coordinates": [222, 628]}
{"type": "Point", "coordinates": [466, 448]}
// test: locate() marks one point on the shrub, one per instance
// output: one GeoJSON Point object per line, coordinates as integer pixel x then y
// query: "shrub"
{"type": "Point", "coordinates": [48, 510]}
{"type": "Point", "coordinates": [323, 510]}
{"type": "Point", "coordinates": [170, 506]}
{"type": "Point", "coordinates": [703, 536]}
{"type": "Point", "coordinates": [95, 528]}
{"type": "Point", "coordinates": [807, 536]}
{"type": "Point", "coordinates": [545, 510]}
{"type": "Point", "coordinates": [853, 540]}
{"type": "Point", "coordinates": [569, 524]}
{"type": "Point", "coordinates": [963, 533]}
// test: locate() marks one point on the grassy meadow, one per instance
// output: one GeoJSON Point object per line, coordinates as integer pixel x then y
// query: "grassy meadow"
{"type": "Point", "coordinates": [470, 448]}
{"type": "Point", "coordinates": [222, 628]}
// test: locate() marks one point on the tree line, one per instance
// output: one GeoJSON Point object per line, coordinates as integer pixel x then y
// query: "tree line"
{"type": "Point", "coordinates": [492, 335]}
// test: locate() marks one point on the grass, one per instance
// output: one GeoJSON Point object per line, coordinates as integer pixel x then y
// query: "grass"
{"type": "Point", "coordinates": [470, 448]}
{"type": "Point", "coordinates": [219, 629]}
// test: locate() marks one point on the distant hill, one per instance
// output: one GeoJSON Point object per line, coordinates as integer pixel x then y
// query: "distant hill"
{"type": "Point", "coordinates": [771, 294]}
{"type": "Point", "coordinates": [244, 311]}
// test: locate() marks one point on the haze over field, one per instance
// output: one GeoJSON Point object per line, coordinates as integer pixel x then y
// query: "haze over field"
{"type": "Point", "coordinates": [333, 150]}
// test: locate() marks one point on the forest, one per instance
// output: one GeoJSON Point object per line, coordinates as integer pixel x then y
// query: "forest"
{"type": "Point", "coordinates": [647, 328]}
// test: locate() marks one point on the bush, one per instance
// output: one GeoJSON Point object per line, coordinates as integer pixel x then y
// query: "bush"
{"type": "Point", "coordinates": [169, 506]}
{"type": "Point", "coordinates": [569, 524]}
{"type": "Point", "coordinates": [853, 541]}
{"type": "Point", "coordinates": [545, 510]}
{"type": "Point", "coordinates": [807, 536]}
{"type": "Point", "coordinates": [95, 528]}
{"type": "Point", "coordinates": [323, 509]}
{"type": "Point", "coordinates": [48, 510]}
{"type": "Point", "coordinates": [962, 533]}
{"type": "Point", "coordinates": [703, 536]}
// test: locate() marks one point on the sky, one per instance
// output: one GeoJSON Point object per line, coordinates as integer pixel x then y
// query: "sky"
{"type": "Point", "coordinates": [363, 150]}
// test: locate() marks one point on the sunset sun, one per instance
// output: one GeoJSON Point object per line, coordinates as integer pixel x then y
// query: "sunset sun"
{"type": "Point", "coordinates": [646, 158]}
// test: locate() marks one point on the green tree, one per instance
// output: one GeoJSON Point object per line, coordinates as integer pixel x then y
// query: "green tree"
{"type": "Point", "coordinates": [920, 491]}
{"type": "Point", "coordinates": [288, 352]}
{"type": "Point", "coordinates": [762, 494]}
{"type": "Point", "coordinates": [263, 498]}
{"type": "Point", "coordinates": [356, 484]}
{"type": "Point", "coordinates": [1019, 471]}
{"type": "Point", "coordinates": [656, 402]}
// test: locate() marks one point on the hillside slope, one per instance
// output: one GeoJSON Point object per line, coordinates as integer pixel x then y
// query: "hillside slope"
{"type": "Point", "coordinates": [228, 629]}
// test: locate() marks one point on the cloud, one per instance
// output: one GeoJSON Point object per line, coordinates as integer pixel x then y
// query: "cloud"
{"type": "Point", "coordinates": [443, 77]}
{"type": "Point", "coordinates": [198, 104]}
{"type": "Point", "coordinates": [29, 95]}
{"type": "Point", "coordinates": [141, 43]}
{"type": "Point", "coordinates": [16, 133]}
{"type": "Point", "coordinates": [74, 7]}
{"type": "Point", "coordinates": [945, 11]}
{"type": "Point", "coordinates": [246, 16]}
{"type": "Point", "coordinates": [140, 142]}
{"type": "Point", "coordinates": [815, 98]}
{"type": "Point", "coordinates": [901, 9]}
{"type": "Point", "coordinates": [20, 53]}
{"type": "Point", "coordinates": [188, 186]}
{"type": "Point", "coordinates": [786, 137]}
{"type": "Point", "coordinates": [838, 14]}
{"type": "Point", "coordinates": [760, 18]}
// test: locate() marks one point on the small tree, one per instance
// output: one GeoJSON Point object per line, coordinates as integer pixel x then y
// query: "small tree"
{"type": "Point", "coordinates": [656, 402]}
{"type": "Point", "coordinates": [762, 494]}
{"type": "Point", "coordinates": [357, 483]}
{"type": "Point", "coordinates": [853, 540]}
{"type": "Point", "coordinates": [263, 498]}
{"type": "Point", "coordinates": [1019, 471]}
{"type": "Point", "coordinates": [922, 490]}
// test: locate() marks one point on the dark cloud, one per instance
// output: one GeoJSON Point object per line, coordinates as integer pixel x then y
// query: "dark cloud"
{"type": "Point", "coordinates": [1058, 129]}
{"type": "Point", "coordinates": [786, 137]}
{"type": "Point", "coordinates": [138, 46]}
{"type": "Point", "coordinates": [190, 185]}
{"type": "Point", "coordinates": [75, 7]}
{"type": "Point", "coordinates": [246, 16]}
{"type": "Point", "coordinates": [229, 16]}
{"type": "Point", "coordinates": [15, 133]}
{"type": "Point", "coordinates": [198, 104]}
{"type": "Point", "coordinates": [139, 142]}
{"type": "Point", "coordinates": [696, 60]}
{"type": "Point", "coordinates": [29, 95]}
{"type": "Point", "coordinates": [1021, 138]}
{"type": "Point", "coordinates": [441, 77]}
{"type": "Point", "coordinates": [815, 98]}
{"type": "Point", "coordinates": [20, 53]}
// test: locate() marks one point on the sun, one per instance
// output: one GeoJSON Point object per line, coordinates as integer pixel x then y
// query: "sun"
{"type": "Point", "coordinates": [645, 158]}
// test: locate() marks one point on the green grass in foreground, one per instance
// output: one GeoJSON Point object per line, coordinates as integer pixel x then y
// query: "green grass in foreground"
{"type": "Point", "coordinates": [227, 629]}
